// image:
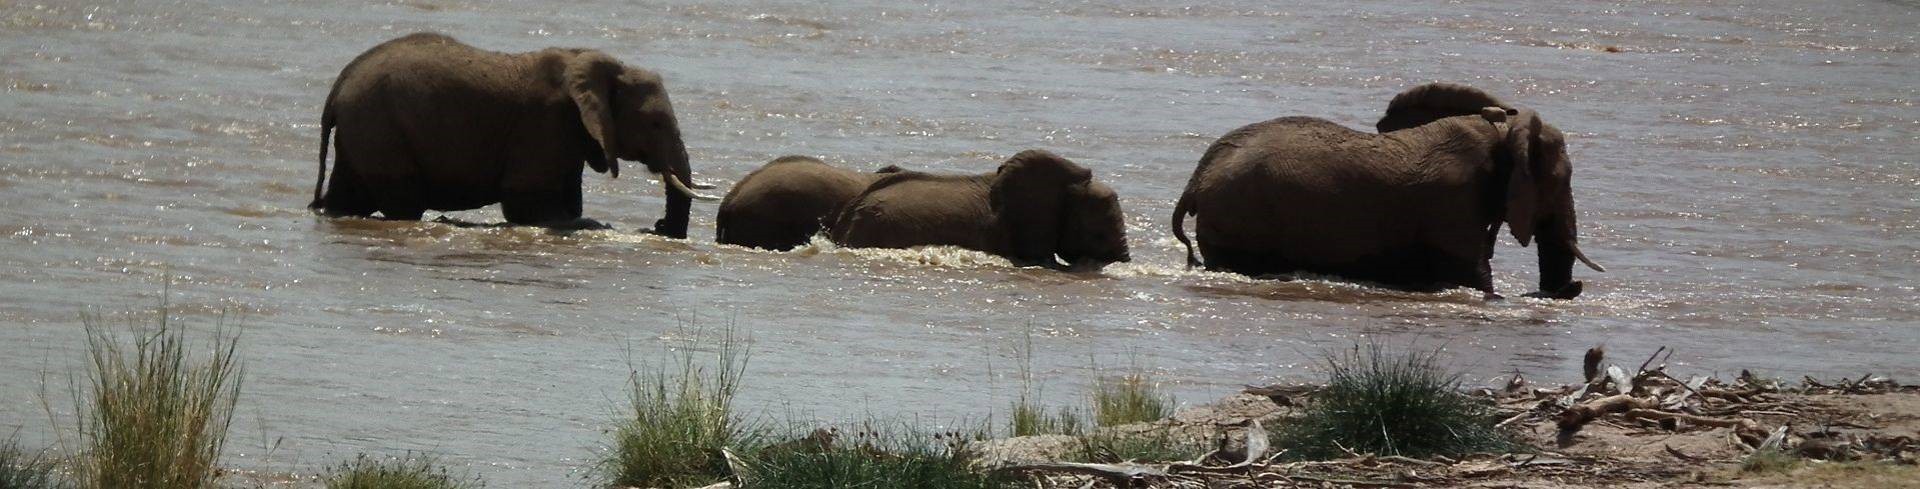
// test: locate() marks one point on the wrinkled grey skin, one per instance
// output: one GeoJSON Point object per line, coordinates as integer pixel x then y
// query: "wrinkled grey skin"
{"type": "Point", "coordinates": [425, 122]}
{"type": "Point", "coordinates": [784, 203]}
{"type": "Point", "coordinates": [1035, 209]}
{"type": "Point", "coordinates": [1417, 207]}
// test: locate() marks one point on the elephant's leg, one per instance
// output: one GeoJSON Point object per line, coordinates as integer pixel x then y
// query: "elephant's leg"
{"type": "Point", "coordinates": [347, 195]}
{"type": "Point", "coordinates": [557, 206]}
{"type": "Point", "coordinates": [1448, 269]}
{"type": "Point", "coordinates": [1245, 262]}
{"type": "Point", "coordinates": [405, 201]}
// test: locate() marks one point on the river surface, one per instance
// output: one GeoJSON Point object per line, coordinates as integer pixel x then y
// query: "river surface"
{"type": "Point", "coordinates": [1746, 171]}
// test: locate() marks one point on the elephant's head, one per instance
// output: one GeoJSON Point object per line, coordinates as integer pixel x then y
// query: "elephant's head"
{"type": "Point", "coordinates": [1533, 159]}
{"type": "Point", "coordinates": [1539, 201]}
{"type": "Point", "coordinates": [1052, 206]}
{"type": "Point", "coordinates": [1095, 231]}
{"type": "Point", "coordinates": [627, 112]}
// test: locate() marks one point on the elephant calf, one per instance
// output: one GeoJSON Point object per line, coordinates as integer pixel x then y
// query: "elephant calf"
{"type": "Point", "coordinates": [1418, 206]}
{"type": "Point", "coordinates": [425, 122]}
{"type": "Point", "coordinates": [1035, 207]}
{"type": "Point", "coordinates": [784, 203]}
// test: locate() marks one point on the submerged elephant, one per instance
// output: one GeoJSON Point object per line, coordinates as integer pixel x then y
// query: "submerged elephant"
{"type": "Point", "coordinates": [784, 203]}
{"type": "Point", "coordinates": [1035, 207]}
{"type": "Point", "coordinates": [425, 122]}
{"type": "Point", "coordinates": [1418, 206]}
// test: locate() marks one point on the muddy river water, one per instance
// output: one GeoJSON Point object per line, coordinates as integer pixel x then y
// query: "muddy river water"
{"type": "Point", "coordinates": [1746, 172]}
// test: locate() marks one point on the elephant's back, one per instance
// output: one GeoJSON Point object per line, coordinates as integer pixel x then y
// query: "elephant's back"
{"type": "Point", "coordinates": [1284, 185]}
{"type": "Point", "coordinates": [806, 182]}
{"type": "Point", "coordinates": [785, 203]}
{"type": "Point", "coordinates": [424, 67]}
{"type": "Point", "coordinates": [908, 209]}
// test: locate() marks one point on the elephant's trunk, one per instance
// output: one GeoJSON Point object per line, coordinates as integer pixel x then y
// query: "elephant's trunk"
{"type": "Point", "coordinates": [1559, 247]}
{"type": "Point", "coordinates": [673, 223]}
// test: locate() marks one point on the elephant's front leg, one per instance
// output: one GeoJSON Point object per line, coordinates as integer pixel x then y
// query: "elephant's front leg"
{"type": "Point", "coordinates": [556, 205]}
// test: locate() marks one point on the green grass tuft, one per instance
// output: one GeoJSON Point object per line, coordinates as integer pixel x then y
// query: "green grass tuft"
{"type": "Point", "coordinates": [681, 416]}
{"type": "Point", "coordinates": [150, 416]}
{"type": "Point", "coordinates": [871, 459]}
{"type": "Point", "coordinates": [1391, 403]}
{"type": "Point", "coordinates": [1032, 419]}
{"type": "Point", "coordinates": [1130, 398]}
{"type": "Point", "coordinates": [1769, 462]}
{"type": "Point", "coordinates": [1029, 417]}
{"type": "Point", "coordinates": [18, 470]}
{"type": "Point", "coordinates": [409, 472]}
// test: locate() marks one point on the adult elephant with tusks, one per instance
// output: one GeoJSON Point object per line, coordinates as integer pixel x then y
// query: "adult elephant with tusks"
{"type": "Point", "coordinates": [786, 202]}
{"type": "Point", "coordinates": [425, 122]}
{"type": "Point", "coordinates": [1035, 209]}
{"type": "Point", "coordinates": [1417, 206]}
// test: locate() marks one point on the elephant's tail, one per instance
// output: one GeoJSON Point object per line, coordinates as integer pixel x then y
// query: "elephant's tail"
{"type": "Point", "coordinates": [1181, 210]}
{"type": "Point", "coordinates": [326, 136]}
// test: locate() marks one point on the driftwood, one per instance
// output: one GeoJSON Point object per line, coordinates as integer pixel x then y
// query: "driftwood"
{"type": "Point", "coordinates": [1576, 417]}
{"type": "Point", "coordinates": [1119, 474]}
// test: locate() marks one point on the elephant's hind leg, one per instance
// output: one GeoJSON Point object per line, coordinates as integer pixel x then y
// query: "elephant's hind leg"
{"type": "Point", "coordinates": [347, 195]}
{"type": "Point", "coordinates": [406, 203]}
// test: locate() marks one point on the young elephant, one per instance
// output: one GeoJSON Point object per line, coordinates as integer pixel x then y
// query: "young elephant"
{"type": "Point", "coordinates": [1034, 207]}
{"type": "Point", "coordinates": [1417, 207]}
{"type": "Point", "coordinates": [784, 203]}
{"type": "Point", "coordinates": [425, 122]}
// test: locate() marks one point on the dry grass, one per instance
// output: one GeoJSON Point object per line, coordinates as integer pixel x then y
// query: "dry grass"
{"type": "Point", "coordinates": [151, 415]}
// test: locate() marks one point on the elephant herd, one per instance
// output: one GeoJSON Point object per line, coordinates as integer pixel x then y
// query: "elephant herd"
{"type": "Point", "coordinates": [425, 122]}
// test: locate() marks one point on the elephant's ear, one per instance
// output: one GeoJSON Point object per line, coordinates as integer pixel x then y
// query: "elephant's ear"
{"type": "Point", "coordinates": [590, 80]}
{"type": "Point", "coordinates": [1522, 189]}
{"type": "Point", "coordinates": [1029, 194]}
{"type": "Point", "coordinates": [1420, 105]}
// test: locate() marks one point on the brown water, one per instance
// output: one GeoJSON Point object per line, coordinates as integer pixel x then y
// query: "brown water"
{"type": "Point", "coordinates": [1746, 172]}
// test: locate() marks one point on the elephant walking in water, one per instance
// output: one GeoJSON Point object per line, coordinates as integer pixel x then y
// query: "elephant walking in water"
{"type": "Point", "coordinates": [1035, 207]}
{"type": "Point", "coordinates": [425, 122]}
{"type": "Point", "coordinates": [784, 203]}
{"type": "Point", "coordinates": [1417, 206]}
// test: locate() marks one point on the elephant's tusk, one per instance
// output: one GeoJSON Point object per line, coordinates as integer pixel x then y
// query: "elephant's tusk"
{"type": "Point", "coordinates": [674, 183]}
{"type": "Point", "coordinates": [1583, 259]}
{"type": "Point", "coordinates": [701, 186]}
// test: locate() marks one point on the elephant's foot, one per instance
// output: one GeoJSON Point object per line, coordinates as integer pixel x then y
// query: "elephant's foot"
{"type": "Point", "coordinates": [575, 224]}
{"type": "Point", "coordinates": [1490, 296]}
{"type": "Point", "coordinates": [1571, 290]}
{"type": "Point", "coordinates": [665, 228]}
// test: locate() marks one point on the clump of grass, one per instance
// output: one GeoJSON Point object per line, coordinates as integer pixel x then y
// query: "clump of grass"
{"type": "Point", "coordinates": [1769, 461]}
{"type": "Point", "coordinates": [1129, 398]}
{"type": "Point", "coordinates": [409, 472]}
{"type": "Point", "coordinates": [150, 416]}
{"type": "Point", "coordinates": [1391, 403]}
{"type": "Point", "coordinates": [1028, 417]}
{"type": "Point", "coordinates": [1110, 446]}
{"type": "Point", "coordinates": [681, 416]}
{"type": "Point", "coordinates": [1032, 419]}
{"type": "Point", "coordinates": [18, 470]}
{"type": "Point", "coordinates": [871, 459]}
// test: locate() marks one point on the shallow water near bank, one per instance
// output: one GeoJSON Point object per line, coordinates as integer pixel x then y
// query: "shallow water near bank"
{"type": "Point", "coordinates": [1746, 174]}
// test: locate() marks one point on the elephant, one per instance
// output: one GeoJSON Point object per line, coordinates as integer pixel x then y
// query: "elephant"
{"type": "Point", "coordinates": [426, 122]}
{"type": "Point", "coordinates": [786, 202]}
{"type": "Point", "coordinates": [1035, 207]}
{"type": "Point", "coordinates": [1417, 206]}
